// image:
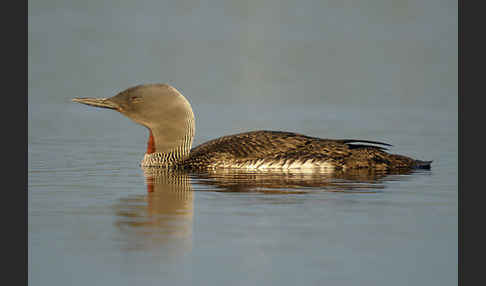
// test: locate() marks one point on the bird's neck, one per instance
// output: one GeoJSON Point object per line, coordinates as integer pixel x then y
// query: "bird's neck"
{"type": "Point", "coordinates": [168, 147]}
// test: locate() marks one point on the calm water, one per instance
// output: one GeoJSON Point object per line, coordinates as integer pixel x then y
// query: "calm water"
{"type": "Point", "coordinates": [95, 218]}
{"type": "Point", "coordinates": [382, 71]}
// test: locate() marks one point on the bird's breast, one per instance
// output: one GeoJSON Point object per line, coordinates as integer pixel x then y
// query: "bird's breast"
{"type": "Point", "coordinates": [269, 164]}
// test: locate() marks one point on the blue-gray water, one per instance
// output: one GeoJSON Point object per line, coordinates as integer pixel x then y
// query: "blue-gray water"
{"type": "Point", "coordinates": [380, 70]}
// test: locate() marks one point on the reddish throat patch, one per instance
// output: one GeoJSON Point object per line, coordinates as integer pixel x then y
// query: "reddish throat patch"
{"type": "Point", "coordinates": [150, 144]}
{"type": "Point", "coordinates": [150, 187]}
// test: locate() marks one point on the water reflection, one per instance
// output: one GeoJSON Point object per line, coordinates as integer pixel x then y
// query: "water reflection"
{"type": "Point", "coordinates": [296, 181]}
{"type": "Point", "coordinates": [160, 218]}
{"type": "Point", "coordinates": [163, 217]}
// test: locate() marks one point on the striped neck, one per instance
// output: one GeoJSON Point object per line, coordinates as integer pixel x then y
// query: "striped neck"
{"type": "Point", "coordinates": [174, 149]}
{"type": "Point", "coordinates": [162, 160]}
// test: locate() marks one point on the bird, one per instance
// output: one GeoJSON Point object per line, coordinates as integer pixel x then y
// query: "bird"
{"type": "Point", "coordinates": [169, 118]}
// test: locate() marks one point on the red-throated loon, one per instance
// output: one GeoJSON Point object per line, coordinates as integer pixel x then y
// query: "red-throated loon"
{"type": "Point", "coordinates": [170, 120]}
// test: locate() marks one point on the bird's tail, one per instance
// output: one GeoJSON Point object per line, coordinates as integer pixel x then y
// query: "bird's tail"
{"type": "Point", "coordinates": [422, 164]}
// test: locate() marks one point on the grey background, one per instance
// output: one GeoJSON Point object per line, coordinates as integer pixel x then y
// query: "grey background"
{"type": "Point", "coordinates": [352, 52]}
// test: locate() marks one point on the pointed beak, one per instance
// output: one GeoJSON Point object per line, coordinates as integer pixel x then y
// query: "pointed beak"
{"type": "Point", "coordinates": [97, 102]}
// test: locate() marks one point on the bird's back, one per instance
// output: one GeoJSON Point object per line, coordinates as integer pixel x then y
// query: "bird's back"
{"type": "Point", "coordinates": [287, 150]}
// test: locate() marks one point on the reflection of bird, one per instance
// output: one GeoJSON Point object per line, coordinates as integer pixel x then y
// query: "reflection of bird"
{"type": "Point", "coordinates": [170, 120]}
{"type": "Point", "coordinates": [164, 216]}
{"type": "Point", "coordinates": [294, 181]}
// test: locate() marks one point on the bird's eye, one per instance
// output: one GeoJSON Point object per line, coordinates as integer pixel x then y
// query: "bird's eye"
{"type": "Point", "coordinates": [135, 99]}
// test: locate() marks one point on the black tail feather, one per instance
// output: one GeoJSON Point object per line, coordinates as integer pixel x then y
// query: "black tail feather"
{"type": "Point", "coordinates": [346, 141]}
{"type": "Point", "coordinates": [422, 164]}
{"type": "Point", "coordinates": [350, 142]}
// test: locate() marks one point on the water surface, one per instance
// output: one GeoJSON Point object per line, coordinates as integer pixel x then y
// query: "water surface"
{"type": "Point", "coordinates": [96, 218]}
